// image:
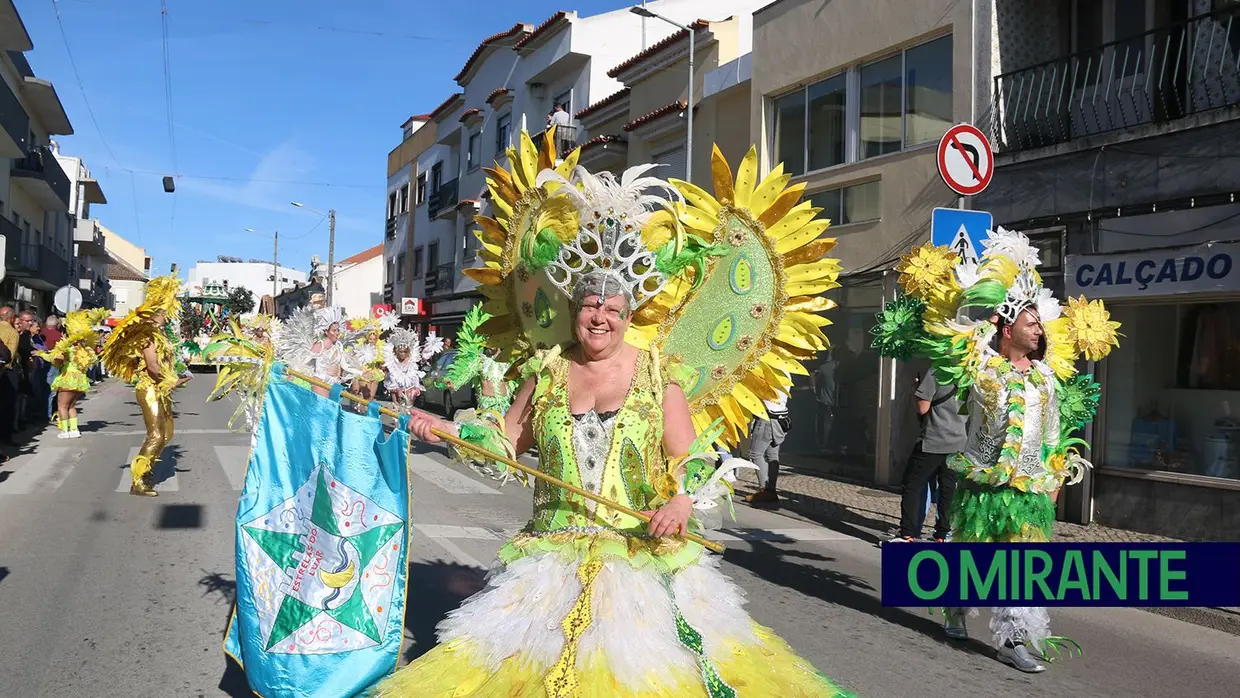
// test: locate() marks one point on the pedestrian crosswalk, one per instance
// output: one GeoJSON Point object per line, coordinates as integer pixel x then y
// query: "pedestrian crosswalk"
{"type": "Point", "coordinates": [46, 468]}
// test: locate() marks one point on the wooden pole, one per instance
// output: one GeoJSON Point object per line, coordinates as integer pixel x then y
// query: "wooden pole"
{"type": "Point", "coordinates": [532, 472]}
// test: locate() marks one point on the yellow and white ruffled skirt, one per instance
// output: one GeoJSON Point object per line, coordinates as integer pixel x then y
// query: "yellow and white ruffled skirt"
{"type": "Point", "coordinates": [560, 624]}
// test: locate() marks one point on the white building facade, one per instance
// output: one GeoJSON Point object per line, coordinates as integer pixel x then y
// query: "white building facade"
{"type": "Point", "coordinates": [515, 79]}
{"type": "Point", "coordinates": [255, 275]}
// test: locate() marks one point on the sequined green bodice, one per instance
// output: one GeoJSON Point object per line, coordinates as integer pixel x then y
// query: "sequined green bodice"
{"type": "Point", "coordinates": [576, 449]}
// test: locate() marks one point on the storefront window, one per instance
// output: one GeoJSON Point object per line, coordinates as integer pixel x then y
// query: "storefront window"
{"type": "Point", "coordinates": [1172, 392]}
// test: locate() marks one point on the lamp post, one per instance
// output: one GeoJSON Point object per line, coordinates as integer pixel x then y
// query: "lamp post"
{"type": "Point", "coordinates": [275, 265]}
{"type": "Point", "coordinates": [641, 11]}
{"type": "Point", "coordinates": [331, 247]}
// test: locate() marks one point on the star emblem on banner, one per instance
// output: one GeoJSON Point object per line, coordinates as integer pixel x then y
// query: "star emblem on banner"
{"type": "Point", "coordinates": [320, 562]}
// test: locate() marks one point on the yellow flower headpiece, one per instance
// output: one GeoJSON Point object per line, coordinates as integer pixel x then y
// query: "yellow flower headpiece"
{"type": "Point", "coordinates": [162, 293]}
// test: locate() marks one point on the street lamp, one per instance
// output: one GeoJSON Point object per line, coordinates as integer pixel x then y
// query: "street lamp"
{"type": "Point", "coordinates": [641, 11]}
{"type": "Point", "coordinates": [331, 248]}
{"type": "Point", "coordinates": [275, 265]}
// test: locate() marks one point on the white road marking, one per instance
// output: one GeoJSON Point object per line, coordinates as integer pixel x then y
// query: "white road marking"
{"type": "Point", "coordinates": [169, 485]}
{"type": "Point", "coordinates": [445, 478]}
{"type": "Point", "coordinates": [233, 460]}
{"type": "Point", "coordinates": [41, 471]}
{"type": "Point", "coordinates": [443, 532]}
{"type": "Point", "coordinates": [777, 534]}
{"type": "Point", "coordinates": [179, 432]}
{"type": "Point", "coordinates": [455, 551]}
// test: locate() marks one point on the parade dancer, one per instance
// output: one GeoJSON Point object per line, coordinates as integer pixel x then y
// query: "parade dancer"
{"type": "Point", "coordinates": [404, 376]}
{"type": "Point", "coordinates": [611, 304]}
{"type": "Point", "coordinates": [139, 351]}
{"type": "Point", "coordinates": [993, 331]}
{"type": "Point", "coordinates": [475, 365]}
{"type": "Point", "coordinates": [73, 356]}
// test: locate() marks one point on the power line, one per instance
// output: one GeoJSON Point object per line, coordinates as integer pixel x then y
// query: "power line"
{"type": "Point", "coordinates": [167, 56]}
{"type": "Point", "coordinates": [254, 180]}
{"type": "Point", "coordinates": [137, 220]}
{"type": "Point", "coordinates": [77, 76]}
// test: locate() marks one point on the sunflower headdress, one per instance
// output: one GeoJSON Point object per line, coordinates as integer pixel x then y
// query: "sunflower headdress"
{"type": "Point", "coordinates": [724, 286]}
{"type": "Point", "coordinates": [944, 314]}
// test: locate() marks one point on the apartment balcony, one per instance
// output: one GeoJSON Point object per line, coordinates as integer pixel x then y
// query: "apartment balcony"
{"type": "Point", "coordinates": [1170, 73]}
{"type": "Point", "coordinates": [41, 177]}
{"type": "Point", "coordinates": [35, 264]}
{"type": "Point", "coordinates": [443, 200]}
{"type": "Point", "coordinates": [89, 238]}
{"type": "Point", "coordinates": [565, 139]}
{"type": "Point", "coordinates": [14, 124]}
{"type": "Point", "coordinates": [441, 279]}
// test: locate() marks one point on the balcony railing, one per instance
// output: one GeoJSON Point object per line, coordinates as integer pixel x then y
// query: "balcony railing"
{"type": "Point", "coordinates": [441, 279]}
{"type": "Point", "coordinates": [36, 261]}
{"type": "Point", "coordinates": [13, 118]}
{"type": "Point", "coordinates": [443, 198]}
{"type": "Point", "coordinates": [1162, 75]}
{"type": "Point", "coordinates": [40, 163]}
{"type": "Point", "coordinates": [565, 139]}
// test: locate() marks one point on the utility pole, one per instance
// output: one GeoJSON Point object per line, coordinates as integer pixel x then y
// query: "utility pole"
{"type": "Point", "coordinates": [275, 270]}
{"type": "Point", "coordinates": [331, 255]}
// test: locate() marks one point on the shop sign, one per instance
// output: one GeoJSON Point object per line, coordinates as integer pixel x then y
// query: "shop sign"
{"type": "Point", "coordinates": [1200, 268]}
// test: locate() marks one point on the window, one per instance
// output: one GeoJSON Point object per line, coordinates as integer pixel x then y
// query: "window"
{"type": "Point", "coordinates": [859, 203]}
{"type": "Point", "coordinates": [475, 151]}
{"type": "Point", "coordinates": [866, 111]}
{"type": "Point", "coordinates": [827, 122]}
{"type": "Point", "coordinates": [503, 129]}
{"type": "Point", "coordinates": [417, 262]}
{"type": "Point", "coordinates": [421, 189]}
{"type": "Point", "coordinates": [436, 177]}
{"type": "Point", "coordinates": [1167, 388]}
{"type": "Point", "coordinates": [400, 267]}
{"type": "Point", "coordinates": [790, 132]}
{"type": "Point", "coordinates": [928, 85]}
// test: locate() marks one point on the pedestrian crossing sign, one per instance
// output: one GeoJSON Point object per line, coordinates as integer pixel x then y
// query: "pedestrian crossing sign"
{"type": "Point", "coordinates": [965, 232]}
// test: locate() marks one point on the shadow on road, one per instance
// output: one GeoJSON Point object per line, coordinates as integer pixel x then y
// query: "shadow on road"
{"type": "Point", "coordinates": [777, 566]}
{"type": "Point", "coordinates": [435, 588]}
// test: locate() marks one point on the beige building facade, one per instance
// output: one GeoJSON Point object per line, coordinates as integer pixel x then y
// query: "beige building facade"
{"type": "Point", "coordinates": [852, 97]}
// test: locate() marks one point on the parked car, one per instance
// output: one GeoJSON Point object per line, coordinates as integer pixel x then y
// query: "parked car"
{"type": "Point", "coordinates": [435, 394]}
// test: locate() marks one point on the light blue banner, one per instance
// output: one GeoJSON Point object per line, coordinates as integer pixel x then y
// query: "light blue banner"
{"type": "Point", "coordinates": [322, 543]}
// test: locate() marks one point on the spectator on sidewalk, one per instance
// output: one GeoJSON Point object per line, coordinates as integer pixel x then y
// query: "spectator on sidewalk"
{"type": "Point", "coordinates": [8, 375]}
{"type": "Point", "coordinates": [942, 434]}
{"type": "Point", "coordinates": [51, 336]}
{"type": "Point", "coordinates": [23, 365]}
{"type": "Point", "coordinates": [765, 438]}
{"type": "Point", "coordinates": [40, 388]}
{"type": "Point", "coordinates": [826, 394]}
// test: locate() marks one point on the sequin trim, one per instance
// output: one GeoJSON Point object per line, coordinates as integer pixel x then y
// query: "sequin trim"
{"type": "Point", "coordinates": [715, 686]}
{"type": "Point", "coordinates": [561, 680]}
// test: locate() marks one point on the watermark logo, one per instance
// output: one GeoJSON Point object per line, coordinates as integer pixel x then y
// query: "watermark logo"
{"type": "Point", "coordinates": [1061, 574]}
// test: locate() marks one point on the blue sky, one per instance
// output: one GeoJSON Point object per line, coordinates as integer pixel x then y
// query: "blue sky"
{"type": "Point", "coordinates": [280, 100]}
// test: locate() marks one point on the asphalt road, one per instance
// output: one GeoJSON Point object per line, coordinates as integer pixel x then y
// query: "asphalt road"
{"type": "Point", "coordinates": [105, 594]}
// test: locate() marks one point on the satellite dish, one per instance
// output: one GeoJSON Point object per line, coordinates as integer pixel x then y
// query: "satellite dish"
{"type": "Point", "coordinates": [68, 299]}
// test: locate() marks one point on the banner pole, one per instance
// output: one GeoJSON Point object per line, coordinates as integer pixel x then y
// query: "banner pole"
{"type": "Point", "coordinates": [532, 472]}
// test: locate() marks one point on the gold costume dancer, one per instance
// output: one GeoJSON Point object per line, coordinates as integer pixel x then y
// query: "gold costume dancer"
{"type": "Point", "coordinates": [139, 351]}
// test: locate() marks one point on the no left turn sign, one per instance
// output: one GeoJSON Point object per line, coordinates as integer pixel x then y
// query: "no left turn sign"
{"type": "Point", "coordinates": [966, 162]}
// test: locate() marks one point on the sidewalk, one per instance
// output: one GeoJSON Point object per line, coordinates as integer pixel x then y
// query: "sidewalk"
{"type": "Point", "coordinates": [809, 488]}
